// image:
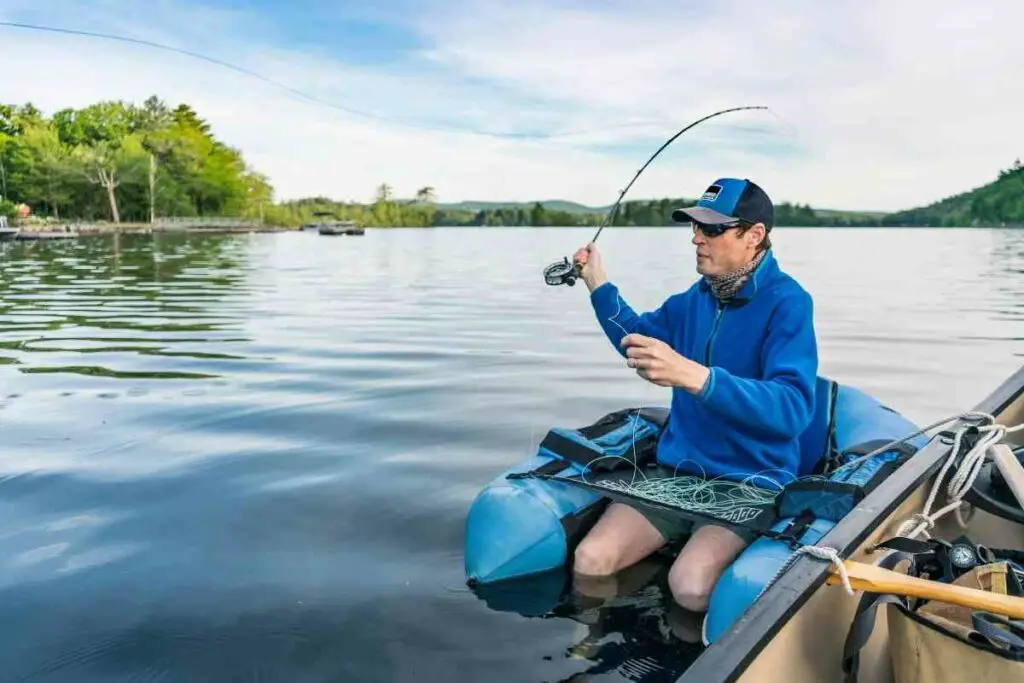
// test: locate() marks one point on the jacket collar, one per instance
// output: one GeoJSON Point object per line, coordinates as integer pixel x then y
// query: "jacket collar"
{"type": "Point", "coordinates": [764, 272]}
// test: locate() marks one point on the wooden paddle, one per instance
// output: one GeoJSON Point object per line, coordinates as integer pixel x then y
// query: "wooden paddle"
{"type": "Point", "coordinates": [872, 579]}
{"type": "Point", "coordinates": [1011, 468]}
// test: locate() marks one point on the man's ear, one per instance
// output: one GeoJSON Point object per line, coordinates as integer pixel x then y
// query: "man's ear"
{"type": "Point", "coordinates": [755, 234]}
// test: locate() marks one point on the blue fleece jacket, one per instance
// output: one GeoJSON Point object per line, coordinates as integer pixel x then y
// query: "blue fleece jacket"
{"type": "Point", "coordinates": [763, 357]}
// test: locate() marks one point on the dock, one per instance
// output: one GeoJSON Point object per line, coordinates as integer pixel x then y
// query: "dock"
{"type": "Point", "coordinates": [198, 225]}
{"type": "Point", "coordinates": [49, 235]}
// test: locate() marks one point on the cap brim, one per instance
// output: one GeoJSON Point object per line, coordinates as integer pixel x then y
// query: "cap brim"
{"type": "Point", "coordinates": [701, 214]}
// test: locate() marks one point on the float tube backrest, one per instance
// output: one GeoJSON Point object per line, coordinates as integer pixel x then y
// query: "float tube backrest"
{"type": "Point", "coordinates": [817, 441]}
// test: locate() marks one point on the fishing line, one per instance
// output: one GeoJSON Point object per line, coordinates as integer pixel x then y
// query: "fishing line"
{"type": "Point", "coordinates": [313, 98]}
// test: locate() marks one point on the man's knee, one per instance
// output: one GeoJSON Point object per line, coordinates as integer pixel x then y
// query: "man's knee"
{"type": "Point", "coordinates": [691, 589]}
{"type": "Point", "coordinates": [691, 592]}
{"type": "Point", "coordinates": [593, 558]}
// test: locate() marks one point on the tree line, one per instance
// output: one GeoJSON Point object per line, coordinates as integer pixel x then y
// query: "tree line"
{"type": "Point", "coordinates": [118, 161]}
{"type": "Point", "coordinates": [385, 211]}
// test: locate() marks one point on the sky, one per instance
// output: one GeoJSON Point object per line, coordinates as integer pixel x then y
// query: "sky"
{"type": "Point", "coordinates": [873, 104]}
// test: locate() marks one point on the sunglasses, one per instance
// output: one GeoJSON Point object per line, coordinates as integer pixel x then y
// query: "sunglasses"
{"type": "Point", "coordinates": [715, 230]}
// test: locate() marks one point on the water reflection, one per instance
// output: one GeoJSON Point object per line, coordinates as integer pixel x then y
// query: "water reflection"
{"type": "Point", "coordinates": [122, 297]}
{"type": "Point", "coordinates": [630, 625]}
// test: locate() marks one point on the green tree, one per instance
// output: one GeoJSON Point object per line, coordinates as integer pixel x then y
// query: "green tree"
{"type": "Point", "coordinates": [538, 214]}
{"type": "Point", "coordinates": [425, 195]}
{"type": "Point", "coordinates": [155, 123]}
{"type": "Point", "coordinates": [108, 164]}
{"type": "Point", "coordinates": [46, 169]}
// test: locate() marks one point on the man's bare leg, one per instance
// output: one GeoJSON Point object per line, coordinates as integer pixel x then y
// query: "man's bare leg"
{"type": "Point", "coordinates": [621, 583]}
{"type": "Point", "coordinates": [700, 563]}
{"type": "Point", "coordinates": [620, 538]}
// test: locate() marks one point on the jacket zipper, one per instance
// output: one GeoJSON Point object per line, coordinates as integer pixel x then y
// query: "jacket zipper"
{"type": "Point", "coordinates": [714, 330]}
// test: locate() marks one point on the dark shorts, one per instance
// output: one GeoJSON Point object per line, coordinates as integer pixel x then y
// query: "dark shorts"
{"type": "Point", "coordinates": [674, 527]}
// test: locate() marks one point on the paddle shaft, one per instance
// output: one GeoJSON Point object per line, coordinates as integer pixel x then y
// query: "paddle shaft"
{"type": "Point", "coordinates": [872, 579]}
{"type": "Point", "coordinates": [1010, 468]}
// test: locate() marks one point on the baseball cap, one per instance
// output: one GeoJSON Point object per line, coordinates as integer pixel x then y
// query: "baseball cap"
{"type": "Point", "coordinates": [727, 200]}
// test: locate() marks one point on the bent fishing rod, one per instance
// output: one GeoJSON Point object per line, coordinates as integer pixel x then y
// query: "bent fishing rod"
{"type": "Point", "coordinates": [565, 273]}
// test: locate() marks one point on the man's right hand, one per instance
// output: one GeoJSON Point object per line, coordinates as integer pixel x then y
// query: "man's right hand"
{"type": "Point", "coordinates": [591, 266]}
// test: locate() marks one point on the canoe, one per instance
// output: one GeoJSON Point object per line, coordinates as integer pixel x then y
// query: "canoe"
{"type": "Point", "coordinates": [774, 614]}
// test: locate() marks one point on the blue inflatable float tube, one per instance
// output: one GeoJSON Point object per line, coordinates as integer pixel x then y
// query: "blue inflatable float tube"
{"type": "Point", "coordinates": [521, 524]}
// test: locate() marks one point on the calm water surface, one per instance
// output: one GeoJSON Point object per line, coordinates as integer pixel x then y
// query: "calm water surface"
{"type": "Point", "coordinates": [249, 458]}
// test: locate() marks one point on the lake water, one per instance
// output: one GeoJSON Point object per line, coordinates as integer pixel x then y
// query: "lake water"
{"type": "Point", "coordinates": [249, 458]}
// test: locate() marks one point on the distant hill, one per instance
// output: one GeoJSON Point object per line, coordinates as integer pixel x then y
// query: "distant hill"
{"type": "Point", "coordinates": [549, 204]}
{"type": "Point", "coordinates": [999, 203]}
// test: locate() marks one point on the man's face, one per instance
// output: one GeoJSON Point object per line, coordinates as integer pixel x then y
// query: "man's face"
{"type": "Point", "coordinates": [727, 251]}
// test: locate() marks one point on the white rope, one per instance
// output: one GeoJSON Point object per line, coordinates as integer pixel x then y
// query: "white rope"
{"type": "Point", "coordinates": [823, 552]}
{"type": "Point", "coordinates": [960, 481]}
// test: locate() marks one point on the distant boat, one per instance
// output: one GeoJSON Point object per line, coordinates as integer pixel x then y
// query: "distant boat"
{"type": "Point", "coordinates": [8, 234]}
{"type": "Point", "coordinates": [340, 228]}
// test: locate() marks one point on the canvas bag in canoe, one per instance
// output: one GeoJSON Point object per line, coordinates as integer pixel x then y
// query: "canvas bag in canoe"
{"type": "Point", "coordinates": [932, 641]}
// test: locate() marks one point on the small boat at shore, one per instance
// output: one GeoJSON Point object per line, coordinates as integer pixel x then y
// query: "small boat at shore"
{"type": "Point", "coordinates": [875, 488]}
{"type": "Point", "coordinates": [340, 228]}
{"type": "Point", "coordinates": [8, 234]}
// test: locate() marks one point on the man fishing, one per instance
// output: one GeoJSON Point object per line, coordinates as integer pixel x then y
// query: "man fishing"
{"type": "Point", "coordinates": [738, 350]}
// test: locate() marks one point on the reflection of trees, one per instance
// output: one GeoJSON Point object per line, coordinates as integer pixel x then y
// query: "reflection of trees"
{"type": "Point", "coordinates": [1007, 256]}
{"type": "Point", "coordinates": [159, 289]}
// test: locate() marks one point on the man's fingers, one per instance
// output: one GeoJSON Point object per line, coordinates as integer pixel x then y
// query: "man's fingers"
{"type": "Point", "coordinates": [639, 352]}
{"type": "Point", "coordinates": [635, 339]}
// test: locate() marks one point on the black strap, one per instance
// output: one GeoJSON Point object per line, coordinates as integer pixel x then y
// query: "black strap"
{"type": "Point", "coordinates": [567, 448]}
{"type": "Point", "coordinates": [1000, 630]}
{"type": "Point", "coordinates": [551, 467]}
{"type": "Point", "coordinates": [864, 622]}
{"type": "Point", "coordinates": [796, 528]}
{"type": "Point", "coordinates": [866, 447]}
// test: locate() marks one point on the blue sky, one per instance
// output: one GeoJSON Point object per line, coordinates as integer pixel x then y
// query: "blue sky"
{"type": "Point", "coordinates": [874, 105]}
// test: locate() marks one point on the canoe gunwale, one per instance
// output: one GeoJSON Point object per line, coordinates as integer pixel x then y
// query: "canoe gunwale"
{"type": "Point", "coordinates": [730, 655]}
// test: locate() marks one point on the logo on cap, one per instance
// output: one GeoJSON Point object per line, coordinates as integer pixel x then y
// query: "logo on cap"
{"type": "Point", "coordinates": [711, 194]}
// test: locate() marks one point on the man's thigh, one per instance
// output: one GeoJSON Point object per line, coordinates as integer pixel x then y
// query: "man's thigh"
{"type": "Point", "coordinates": [621, 537]}
{"type": "Point", "coordinates": [706, 555]}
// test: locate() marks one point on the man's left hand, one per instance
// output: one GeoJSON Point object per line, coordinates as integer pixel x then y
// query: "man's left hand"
{"type": "Point", "coordinates": [657, 362]}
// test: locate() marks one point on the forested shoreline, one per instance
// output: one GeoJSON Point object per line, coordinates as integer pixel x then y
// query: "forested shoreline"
{"type": "Point", "coordinates": [115, 162]}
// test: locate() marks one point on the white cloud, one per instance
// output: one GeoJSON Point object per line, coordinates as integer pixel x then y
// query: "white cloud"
{"type": "Point", "coordinates": [883, 105]}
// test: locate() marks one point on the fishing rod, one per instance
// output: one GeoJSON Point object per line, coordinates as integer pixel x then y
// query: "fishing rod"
{"type": "Point", "coordinates": [565, 273]}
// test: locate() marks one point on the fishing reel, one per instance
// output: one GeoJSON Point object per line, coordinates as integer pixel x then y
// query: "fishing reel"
{"type": "Point", "coordinates": [562, 273]}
